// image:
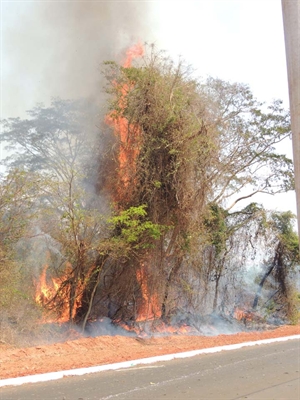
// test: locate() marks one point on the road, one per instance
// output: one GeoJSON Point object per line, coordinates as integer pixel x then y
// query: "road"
{"type": "Point", "coordinates": [261, 372]}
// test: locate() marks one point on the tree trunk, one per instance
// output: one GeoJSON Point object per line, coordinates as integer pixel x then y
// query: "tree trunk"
{"type": "Point", "coordinates": [215, 303]}
{"type": "Point", "coordinates": [91, 300]}
{"type": "Point", "coordinates": [265, 276]}
{"type": "Point", "coordinates": [172, 273]}
{"type": "Point", "coordinates": [86, 307]}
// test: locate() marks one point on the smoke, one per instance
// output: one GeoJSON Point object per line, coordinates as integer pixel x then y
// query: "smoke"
{"type": "Point", "coordinates": [105, 326]}
{"type": "Point", "coordinates": [204, 325]}
{"type": "Point", "coordinates": [56, 48]}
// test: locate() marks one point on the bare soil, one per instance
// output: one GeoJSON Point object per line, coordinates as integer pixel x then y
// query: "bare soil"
{"type": "Point", "coordinates": [85, 352]}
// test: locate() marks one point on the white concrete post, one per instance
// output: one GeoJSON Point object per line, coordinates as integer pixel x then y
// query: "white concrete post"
{"type": "Point", "coordinates": [291, 23]}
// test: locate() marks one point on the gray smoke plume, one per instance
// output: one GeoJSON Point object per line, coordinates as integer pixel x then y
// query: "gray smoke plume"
{"type": "Point", "coordinates": [56, 48]}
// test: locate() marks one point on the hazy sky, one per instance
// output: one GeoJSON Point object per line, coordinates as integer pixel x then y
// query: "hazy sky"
{"type": "Point", "coordinates": [240, 40]}
{"type": "Point", "coordinates": [55, 48]}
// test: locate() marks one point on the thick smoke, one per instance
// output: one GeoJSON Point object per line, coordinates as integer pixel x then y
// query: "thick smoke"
{"type": "Point", "coordinates": [53, 49]}
{"type": "Point", "coordinates": [56, 49]}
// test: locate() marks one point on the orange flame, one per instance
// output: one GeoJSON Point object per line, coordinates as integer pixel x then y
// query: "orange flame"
{"type": "Point", "coordinates": [158, 327]}
{"type": "Point", "coordinates": [149, 306]}
{"type": "Point", "coordinates": [243, 315]}
{"type": "Point", "coordinates": [133, 52]}
{"type": "Point", "coordinates": [128, 133]}
{"type": "Point", "coordinates": [47, 290]}
{"type": "Point", "coordinates": [130, 142]}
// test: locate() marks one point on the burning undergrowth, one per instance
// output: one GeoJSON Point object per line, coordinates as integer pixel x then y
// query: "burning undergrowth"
{"type": "Point", "coordinates": [189, 325]}
{"type": "Point", "coordinates": [167, 246]}
{"type": "Point", "coordinates": [151, 235]}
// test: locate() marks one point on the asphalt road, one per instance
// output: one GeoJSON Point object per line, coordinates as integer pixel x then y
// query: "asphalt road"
{"type": "Point", "coordinates": [261, 372]}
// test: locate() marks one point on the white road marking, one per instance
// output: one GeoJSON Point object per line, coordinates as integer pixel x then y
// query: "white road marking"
{"type": "Point", "coordinates": [132, 369]}
{"type": "Point", "coordinates": [127, 364]}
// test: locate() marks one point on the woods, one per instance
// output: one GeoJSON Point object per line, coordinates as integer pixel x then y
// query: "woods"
{"type": "Point", "coordinates": [147, 212]}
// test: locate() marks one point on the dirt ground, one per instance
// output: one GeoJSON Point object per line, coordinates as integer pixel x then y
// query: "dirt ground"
{"type": "Point", "coordinates": [85, 352]}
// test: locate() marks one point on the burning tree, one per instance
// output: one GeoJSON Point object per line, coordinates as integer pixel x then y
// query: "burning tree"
{"type": "Point", "coordinates": [164, 152]}
{"type": "Point", "coordinates": [177, 156]}
{"type": "Point", "coordinates": [184, 146]}
{"type": "Point", "coordinates": [54, 145]}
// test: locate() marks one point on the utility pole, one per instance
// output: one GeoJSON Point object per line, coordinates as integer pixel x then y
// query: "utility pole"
{"type": "Point", "coordinates": [291, 23]}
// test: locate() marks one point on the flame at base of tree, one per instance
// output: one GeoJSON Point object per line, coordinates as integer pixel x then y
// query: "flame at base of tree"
{"type": "Point", "coordinates": [245, 315]}
{"type": "Point", "coordinates": [53, 294]}
{"type": "Point", "coordinates": [148, 306]}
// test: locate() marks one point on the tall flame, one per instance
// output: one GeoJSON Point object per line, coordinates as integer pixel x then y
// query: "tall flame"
{"type": "Point", "coordinates": [149, 306]}
{"type": "Point", "coordinates": [129, 136]}
{"type": "Point", "coordinates": [133, 52]}
{"type": "Point", "coordinates": [128, 133]}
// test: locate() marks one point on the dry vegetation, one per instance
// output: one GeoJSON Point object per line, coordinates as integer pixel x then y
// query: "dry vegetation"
{"type": "Point", "coordinates": [160, 222]}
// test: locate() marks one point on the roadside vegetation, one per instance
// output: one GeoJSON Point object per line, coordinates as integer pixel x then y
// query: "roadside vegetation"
{"type": "Point", "coordinates": [149, 214]}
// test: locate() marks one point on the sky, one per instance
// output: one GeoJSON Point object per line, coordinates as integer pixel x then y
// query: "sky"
{"type": "Point", "coordinates": [55, 48]}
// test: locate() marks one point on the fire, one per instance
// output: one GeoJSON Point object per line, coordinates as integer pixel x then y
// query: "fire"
{"type": "Point", "coordinates": [53, 291]}
{"type": "Point", "coordinates": [129, 134]}
{"type": "Point", "coordinates": [144, 329]}
{"type": "Point", "coordinates": [243, 315]}
{"type": "Point", "coordinates": [133, 52]}
{"type": "Point", "coordinates": [43, 292]}
{"type": "Point", "coordinates": [149, 306]}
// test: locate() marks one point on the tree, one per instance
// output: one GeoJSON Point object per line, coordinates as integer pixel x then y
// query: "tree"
{"type": "Point", "coordinates": [164, 126]}
{"type": "Point", "coordinates": [57, 141]}
{"type": "Point", "coordinates": [232, 238]}
{"type": "Point", "coordinates": [17, 205]}
{"type": "Point", "coordinates": [76, 224]}
{"type": "Point", "coordinates": [283, 260]}
{"type": "Point", "coordinates": [181, 155]}
{"type": "Point", "coordinates": [17, 211]}
{"type": "Point", "coordinates": [247, 133]}
{"type": "Point", "coordinates": [188, 146]}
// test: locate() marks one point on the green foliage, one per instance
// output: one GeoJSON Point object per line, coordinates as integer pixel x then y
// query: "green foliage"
{"type": "Point", "coordinates": [281, 259]}
{"type": "Point", "coordinates": [132, 227]}
{"type": "Point", "coordinates": [284, 225]}
{"type": "Point", "coordinates": [191, 147]}
{"type": "Point", "coordinates": [215, 222]}
{"type": "Point", "coordinates": [294, 308]}
{"type": "Point", "coordinates": [18, 312]}
{"type": "Point", "coordinates": [18, 190]}
{"type": "Point", "coordinates": [161, 100]}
